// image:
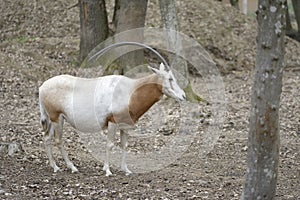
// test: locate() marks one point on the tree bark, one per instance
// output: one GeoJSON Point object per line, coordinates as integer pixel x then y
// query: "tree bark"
{"type": "Point", "coordinates": [296, 6]}
{"type": "Point", "coordinates": [235, 3]}
{"type": "Point", "coordinates": [289, 27]}
{"type": "Point", "coordinates": [290, 31]}
{"type": "Point", "coordinates": [116, 14]}
{"type": "Point", "coordinates": [263, 139]}
{"type": "Point", "coordinates": [131, 14]}
{"type": "Point", "coordinates": [245, 6]}
{"type": "Point", "coordinates": [93, 25]}
{"type": "Point", "coordinates": [171, 24]}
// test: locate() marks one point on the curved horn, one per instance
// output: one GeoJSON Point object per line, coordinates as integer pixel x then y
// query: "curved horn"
{"type": "Point", "coordinates": [102, 51]}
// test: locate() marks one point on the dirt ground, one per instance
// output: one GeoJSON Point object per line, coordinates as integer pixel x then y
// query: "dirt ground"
{"type": "Point", "coordinates": [40, 39]}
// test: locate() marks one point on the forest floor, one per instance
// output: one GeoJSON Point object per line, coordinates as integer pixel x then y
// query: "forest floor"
{"type": "Point", "coordinates": [40, 39]}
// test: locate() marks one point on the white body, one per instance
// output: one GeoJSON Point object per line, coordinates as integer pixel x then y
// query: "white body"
{"type": "Point", "coordinates": [90, 105]}
{"type": "Point", "coordinates": [88, 112]}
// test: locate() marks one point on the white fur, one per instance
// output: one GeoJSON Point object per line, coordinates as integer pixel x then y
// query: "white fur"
{"type": "Point", "coordinates": [87, 103]}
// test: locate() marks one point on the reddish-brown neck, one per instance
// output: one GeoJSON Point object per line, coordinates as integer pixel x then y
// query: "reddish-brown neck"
{"type": "Point", "coordinates": [148, 91]}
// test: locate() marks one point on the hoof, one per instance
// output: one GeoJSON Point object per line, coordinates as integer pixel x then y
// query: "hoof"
{"type": "Point", "coordinates": [56, 169]}
{"type": "Point", "coordinates": [108, 173]}
{"type": "Point", "coordinates": [74, 170]}
{"type": "Point", "coordinates": [126, 170]}
{"type": "Point", "coordinates": [130, 174]}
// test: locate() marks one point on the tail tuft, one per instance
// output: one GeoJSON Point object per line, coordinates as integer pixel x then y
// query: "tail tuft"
{"type": "Point", "coordinates": [45, 122]}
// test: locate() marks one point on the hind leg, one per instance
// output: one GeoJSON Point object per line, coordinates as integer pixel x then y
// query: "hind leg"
{"type": "Point", "coordinates": [59, 142]}
{"type": "Point", "coordinates": [48, 147]}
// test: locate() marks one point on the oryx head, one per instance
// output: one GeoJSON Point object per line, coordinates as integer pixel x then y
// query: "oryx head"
{"type": "Point", "coordinates": [169, 83]}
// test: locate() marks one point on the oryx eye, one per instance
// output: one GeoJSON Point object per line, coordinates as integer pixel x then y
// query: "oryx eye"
{"type": "Point", "coordinates": [171, 80]}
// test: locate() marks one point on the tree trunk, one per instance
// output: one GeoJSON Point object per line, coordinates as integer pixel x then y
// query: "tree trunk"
{"type": "Point", "coordinates": [296, 6]}
{"type": "Point", "coordinates": [235, 3]}
{"type": "Point", "coordinates": [292, 33]}
{"type": "Point", "coordinates": [131, 14]}
{"type": "Point", "coordinates": [171, 25]}
{"type": "Point", "coordinates": [116, 14]}
{"type": "Point", "coordinates": [263, 140]}
{"type": "Point", "coordinates": [93, 25]}
{"type": "Point", "coordinates": [245, 6]}
{"type": "Point", "coordinates": [289, 27]}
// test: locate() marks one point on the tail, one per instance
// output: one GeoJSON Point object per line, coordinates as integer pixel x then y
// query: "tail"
{"type": "Point", "coordinates": [45, 121]}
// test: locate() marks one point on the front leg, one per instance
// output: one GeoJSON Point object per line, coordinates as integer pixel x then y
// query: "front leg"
{"type": "Point", "coordinates": [111, 129]}
{"type": "Point", "coordinates": [124, 140]}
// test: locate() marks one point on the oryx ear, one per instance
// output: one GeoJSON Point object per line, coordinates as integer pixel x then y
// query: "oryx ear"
{"type": "Point", "coordinates": [162, 67]}
{"type": "Point", "coordinates": [156, 71]}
